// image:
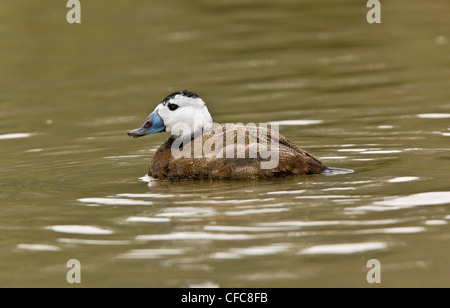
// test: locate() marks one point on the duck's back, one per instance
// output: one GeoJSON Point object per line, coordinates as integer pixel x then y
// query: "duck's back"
{"type": "Point", "coordinates": [233, 152]}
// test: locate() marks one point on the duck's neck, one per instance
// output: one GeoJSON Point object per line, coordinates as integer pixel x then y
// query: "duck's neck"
{"type": "Point", "coordinates": [186, 132]}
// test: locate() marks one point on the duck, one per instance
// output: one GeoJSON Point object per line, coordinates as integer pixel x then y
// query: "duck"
{"type": "Point", "coordinates": [199, 149]}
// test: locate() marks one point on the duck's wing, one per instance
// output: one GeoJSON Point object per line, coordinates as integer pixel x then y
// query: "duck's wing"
{"type": "Point", "coordinates": [233, 152]}
{"type": "Point", "coordinates": [292, 159]}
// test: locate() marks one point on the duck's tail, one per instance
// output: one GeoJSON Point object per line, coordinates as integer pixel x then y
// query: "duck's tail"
{"type": "Point", "coordinates": [336, 171]}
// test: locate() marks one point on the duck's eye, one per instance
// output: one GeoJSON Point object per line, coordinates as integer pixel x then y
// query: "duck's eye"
{"type": "Point", "coordinates": [172, 107]}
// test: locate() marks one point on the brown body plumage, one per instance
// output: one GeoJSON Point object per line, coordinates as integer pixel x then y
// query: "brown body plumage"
{"type": "Point", "coordinates": [291, 159]}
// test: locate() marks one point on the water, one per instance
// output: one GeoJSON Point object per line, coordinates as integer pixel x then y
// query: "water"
{"type": "Point", "coordinates": [372, 98]}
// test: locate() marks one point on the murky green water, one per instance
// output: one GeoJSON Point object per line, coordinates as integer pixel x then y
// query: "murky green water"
{"type": "Point", "coordinates": [70, 176]}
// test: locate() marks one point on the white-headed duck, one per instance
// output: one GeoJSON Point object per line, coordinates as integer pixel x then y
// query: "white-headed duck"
{"type": "Point", "coordinates": [197, 150]}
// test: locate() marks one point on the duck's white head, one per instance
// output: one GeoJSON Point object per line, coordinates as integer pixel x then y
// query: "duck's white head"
{"type": "Point", "coordinates": [182, 114]}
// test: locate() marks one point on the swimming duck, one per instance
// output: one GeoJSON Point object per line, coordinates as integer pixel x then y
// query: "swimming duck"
{"type": "Point", "coordinates": [197, 150]}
